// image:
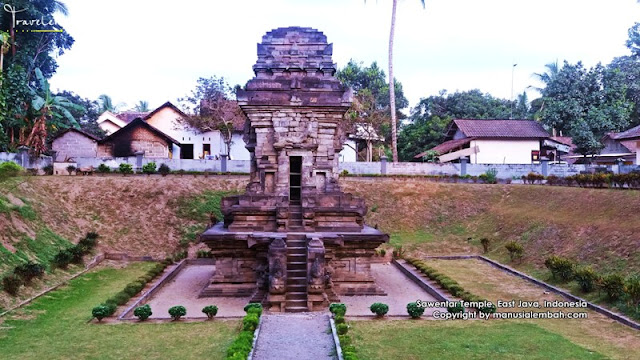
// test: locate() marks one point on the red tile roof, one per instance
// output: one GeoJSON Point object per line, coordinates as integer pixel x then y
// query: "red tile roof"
{"type": "Point", "coordinates": [632, 133]}
{"type": "Point", "coordinates": [523, 129]}
{"type": "Point", "coordinates": [446, 146]}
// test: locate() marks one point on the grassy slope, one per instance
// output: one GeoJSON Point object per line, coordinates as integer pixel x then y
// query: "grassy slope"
{"type": "Point", "coordinates": [55, 327]}
{"type": "Point", "coordinates": [595, 226]}
{"type": "Point", "coordinates": [461, 340]}
{"type": "Point", "coordinates": [597, 332]}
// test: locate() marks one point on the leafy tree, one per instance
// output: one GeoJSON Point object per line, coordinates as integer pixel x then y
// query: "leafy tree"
{"type": "Point", "coordinates": [430, 118]}
{"type": "Point", "coordinates": [629, 68]}
{"type": "Point", "coordinates": [23, 53]}
{"type": "Point", "coordinates": [633, 43]}
{"type": "Point", "coordinates": [547, 76]}
{"type": "Point", "coordinates": [212, 106]}
{"type": "Point", "coordinates": [586, 104]}
{"type": "Point", "coordinates": [106, 104]}
{"type": "Point", "coordinates": [86, 112]}
{"type": "Point", "coordinates": [369, 116]}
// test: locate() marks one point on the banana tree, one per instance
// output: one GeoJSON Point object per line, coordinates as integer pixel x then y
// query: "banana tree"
{"type": "Point", "coordinates": [50, 113]}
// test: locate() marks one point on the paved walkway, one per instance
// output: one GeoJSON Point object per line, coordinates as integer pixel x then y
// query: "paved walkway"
{"type": "Point", "coordinates": [295, 337]}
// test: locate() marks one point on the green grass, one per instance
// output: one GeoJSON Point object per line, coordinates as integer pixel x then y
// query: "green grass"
{"type": "Point", "coordinates": [461, 340]}
{"type": "Point", "coordinates": [198, 207]}
{"type": "Point", "coordinates": [55, 327]}
{"type": "Point", "coordinates": [42, 249]}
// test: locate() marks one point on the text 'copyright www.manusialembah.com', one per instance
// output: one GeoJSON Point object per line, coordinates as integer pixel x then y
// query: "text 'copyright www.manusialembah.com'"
{"type": "Point", "coordinates": [513, 309]}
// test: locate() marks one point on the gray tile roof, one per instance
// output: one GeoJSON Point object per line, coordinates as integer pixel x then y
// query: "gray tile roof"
{"type": "Point", "coordinates": [525, 129]}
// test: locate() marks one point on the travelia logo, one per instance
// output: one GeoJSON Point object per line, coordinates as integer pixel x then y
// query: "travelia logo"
{"type": "Point", "coordinates": [29, 25]}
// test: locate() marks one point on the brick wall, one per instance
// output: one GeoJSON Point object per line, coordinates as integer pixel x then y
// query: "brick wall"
{"type": "Point", "coordinates": [73, 144]}
{"type": "Point", "coordinates": [133, 140]}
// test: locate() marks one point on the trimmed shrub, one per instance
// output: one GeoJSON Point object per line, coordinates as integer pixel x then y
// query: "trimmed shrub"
{"type": "Point", "coordinates": [143, 312]}
{"type": "Point", "coordinates": [164, 169]}
{"type": "Point", "coordinates": [177, 312]}
{"type": "Point", "coordinates": [613, 286]}
{"type": "Point", "coordinates": [71, 169]}
{"type": "Point", "coordinates": [256, 306]}
{"type": "Point", "coordinates": [77, 252]}
{"type": "Point", "coordinates": [62, 259]}
{"type": "Point", "coordinates": [10, 169]}
{"type": "Point", "coordinates": [100, 312]}
{"type": "Point", "coordinates": [561, 267]}
{"type": "Point", "coordinates": [338, 309]}
{"type": "Point", "coordinates": [515, 250]}
{"type": "Point", "coordinates": [125, 169]}
{"type": "Point", "coordinates": [241, 346]}
{"type": "Point", "coordinates": [133, 288]}
{"type": "Point", "coordinates": [11, 283]}
{"type": "Point", "coordinates": [149, 168]}
{"type": "Point", "coordinates": [458, 308]}
{"type": "Point", "coordinates": [47, 169]}
{"type": "Point", "coordinates": [632, 289]}
{"type": "Point", "coordinates": [339, 319]}
{"type": "Point", "coordinates": [380, 309]}
{"type": "Point", "coordinates": [29, 271]}
{"type": "Point", "coordinates": [210, 311]}
{"type": "Point", "coordinates": [342, 329]}
{"type": "Point", "coordinates": [490, 176]}
{"type": "Point", "coordinates": [414, 310]}
{"type": "Point", "coordinates": [121, 298]}
{"type": "Point", "coordinates": [250, 322]}
{"type": "Point", "coordinates": [485, 244]}
{"type": "Point", "coordinates": [490, 309]}
{"type": "Point", "coordinates": [586, 278]}
{"type": "Point", "coordinates": [103, 169]}
{"type": "Point", "coordinates": [111, 307]}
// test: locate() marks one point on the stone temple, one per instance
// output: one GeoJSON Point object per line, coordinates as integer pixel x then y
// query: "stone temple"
{"type": "Point", "coordinates": [294, 241]}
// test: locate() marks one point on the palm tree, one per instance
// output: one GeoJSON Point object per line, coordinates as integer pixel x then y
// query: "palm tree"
{"type": "Point", "coordinates": [142, 106]}
{"type": "Point", "coordinates": [551, 72]}
{"type": "Point", "coordinates": [106, 104]}
{"type": "Point", "coordinates": [51, 113]}
{"type": "Point", "coordinates": [392, 87]}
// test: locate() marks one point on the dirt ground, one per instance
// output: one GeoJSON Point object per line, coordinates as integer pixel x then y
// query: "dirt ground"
{"type": "Point", "coordinates": [400, 291]}
{"type": "Point", "coordinates": [184, 289]}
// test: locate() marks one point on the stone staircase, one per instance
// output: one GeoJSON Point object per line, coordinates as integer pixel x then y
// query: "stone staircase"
{"type": "Point", "coordinates": [296, 295]}
{"type": "Point", "coordinates": [295, 217]}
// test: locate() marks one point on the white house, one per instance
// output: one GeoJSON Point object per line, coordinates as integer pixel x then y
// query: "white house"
{"type": "Point", "coordinates": [193, 143]}
{"type": "Point", "coordinates": [497, 142]}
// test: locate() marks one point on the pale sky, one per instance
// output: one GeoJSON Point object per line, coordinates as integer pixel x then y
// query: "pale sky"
{"type": "Point", "coordinates": [156, 50]}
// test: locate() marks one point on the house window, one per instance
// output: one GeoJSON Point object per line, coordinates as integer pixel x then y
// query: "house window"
{"type": "Point", "coordinates": [186, 151]}
{"type": "Point", "coordinates": [206, 150]}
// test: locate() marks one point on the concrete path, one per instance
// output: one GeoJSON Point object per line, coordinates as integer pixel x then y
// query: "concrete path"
{"type": "Point", "coordinates": [295, 337]}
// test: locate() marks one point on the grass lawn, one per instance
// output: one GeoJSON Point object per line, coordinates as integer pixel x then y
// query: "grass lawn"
{"type": "Point", "coordinates": [476, 339]}
{"type": "Point", "coordinates": [597, 332]}
{"type": "Point", "coordinates": [55, 327]}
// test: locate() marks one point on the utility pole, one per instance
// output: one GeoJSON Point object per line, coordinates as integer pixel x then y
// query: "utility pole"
{"type": "Point", "coordinates": [513, 68]}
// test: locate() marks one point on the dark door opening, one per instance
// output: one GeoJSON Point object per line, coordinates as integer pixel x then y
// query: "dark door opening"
{"type": "Point", "coordinates": [186, 151]}
{"type": "Point", "coordinates": [206, 150]}
{"type": "Point", "coordinates": [295, 178]}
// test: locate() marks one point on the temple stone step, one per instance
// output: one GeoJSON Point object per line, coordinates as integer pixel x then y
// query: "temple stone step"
{"type": "Point", "coordinates": [296, 257]}
{"type": "Point", "coordinates": [297, 265]}
{"type": "Point", "coordinates": [296, 287]}
{"type": "Point", "coordinates": [297, 250]}
{"type": "Point", "coordinates": [296, 308]}
{"type": "Point", "coordinates": [297, 280]}
{"type": "Point", "coordinates": [296, 295]}
{"type": "Point", "coordinates": [296, 303]}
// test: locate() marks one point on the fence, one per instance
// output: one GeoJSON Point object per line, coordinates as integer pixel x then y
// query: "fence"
{"type": "Point", "coordinates": [504, 171]}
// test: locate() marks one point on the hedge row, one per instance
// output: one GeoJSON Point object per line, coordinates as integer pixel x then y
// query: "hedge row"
{"type": "Point", "coordinates": [614, 285]}
{"type": "Point", "coordinates": [152, 168]}
{"type": "Point", "coordinates": [597, 180]}
{"type": "Point", "coordinates": [109, 307]}
{"type": "Point", "coordinates": [450, 285]}
{"type": "Point", "coordinates": [23, 274]}
{"type": "Point", "coordinates": [338, 310]}
{"type": "Point", "coordinates": [243, 343]}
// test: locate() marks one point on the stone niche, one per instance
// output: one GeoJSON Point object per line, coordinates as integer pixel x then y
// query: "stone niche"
{"type": "Point", "coordinates": [293, 241]}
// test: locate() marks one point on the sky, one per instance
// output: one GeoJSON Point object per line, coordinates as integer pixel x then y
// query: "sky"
{"type": "Point", "coordinates": [156, 50]}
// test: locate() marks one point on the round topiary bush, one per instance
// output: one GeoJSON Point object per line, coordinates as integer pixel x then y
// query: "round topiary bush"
{"type": "Point", "coordinates": [254, 306]}
{"type": "Point", "coordinates": [414, 310]}
{"type": "Point", "coordinates": [338, 309]}
{"type": "Point", "coordinates": [250, 322]}
{"type": "Point", "coordinates": [210, 311]}
{"type": "Point", "coordinates": [457, 308]}
{"type": "Point", "coordinates": [143, 312]}
{"type": "Point", "coordinates": [339, 319]}
{"type": "Point", "coordinates": [100, 312]}
{"type": "Point", "coordinates": [489, 309]}
{"type": "Point", "coordinates": [379, 309]}
{"type": "Point", "coordinates": [121, 298]}
{"type": "Point", "coordinates": [177, 312]}
{"type": "Point", "coordinates": [342, 329]}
